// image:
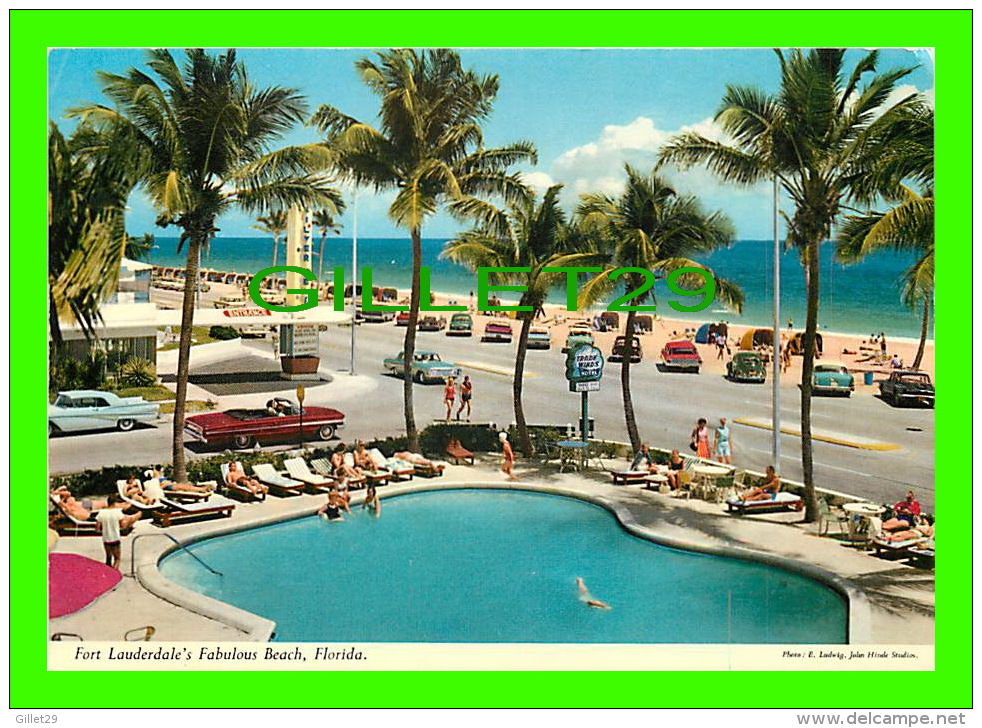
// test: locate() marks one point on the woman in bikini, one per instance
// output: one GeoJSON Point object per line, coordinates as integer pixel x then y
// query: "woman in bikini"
{"type": "Point", "coordinates": [340, 467]}
{"type": "Point", "coordinates": [466, 392]}
{"type": "Point", "coordinates": [675, 465]}
{"type": "Point", "coordinates": [449, 393]}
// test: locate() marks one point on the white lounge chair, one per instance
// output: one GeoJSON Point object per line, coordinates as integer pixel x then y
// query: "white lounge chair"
{"type": "Point", "coordinates": [277, 484]}
{"type": "Point", "coordinates": [239, 492]}
{"type": "Point", "coordinates": [298, 470]}
{"type": "Point", "coordinates": [398, 469]}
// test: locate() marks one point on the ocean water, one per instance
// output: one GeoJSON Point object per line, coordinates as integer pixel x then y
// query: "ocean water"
{"type": "Point", "coordinates": [500, 566]}
{"type": "Point", "coordinates": [858, 299]}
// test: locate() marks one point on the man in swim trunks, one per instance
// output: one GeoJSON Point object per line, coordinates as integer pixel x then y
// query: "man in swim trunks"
{"type": "Point", "coordinates": [466, 392]}
{"type": "Point", "coordinates": [767, 490]}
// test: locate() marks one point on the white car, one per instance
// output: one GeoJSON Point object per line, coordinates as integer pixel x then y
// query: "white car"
{"type": "Point", "coordinates": [83, 409]}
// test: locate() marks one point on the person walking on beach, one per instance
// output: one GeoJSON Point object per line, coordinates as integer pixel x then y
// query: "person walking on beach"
{"type": "Point", "coordinates": [509, 462]}
{"type": "Point", "coordinates": [721, 442]}
{"type": "Point", "coordinates": [449, 393]}
{"type": "Point", "coordinates": [111, 522]}
{"type": "Point", "coordinates": [720, 345]}
{"type": "Point", "coordinates": [466, 392]}
{"type": "Point", "coordinates": [700, 439]}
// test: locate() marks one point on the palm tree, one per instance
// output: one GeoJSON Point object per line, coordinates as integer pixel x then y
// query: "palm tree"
{"type": "Point", "coordinates": [198, 139]}
{"type": "Point", "coordinates": [904, 151]}
{"type": "Point", "coordinates": [87, 194]}
{"type": "Point", "coordinates": [275, 224]}
{"type": "Point", "coordinates": [649, 227]}
{"type": "Point", "coordinates": [429, 148]}
{"type": "Point", "coordinates": [533, 236]}
{"type": "Point", "coordinates": [813, 136]}
{"type": "Point", "coordinates": [324, 221]}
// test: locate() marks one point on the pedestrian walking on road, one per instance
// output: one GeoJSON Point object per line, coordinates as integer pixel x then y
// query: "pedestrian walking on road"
{"type": "Point", "coordinates": [722, 442]}
{"type": "Point", "coordinates": [700, 440]}
{"type": "Point", "coordinates": [466, 392]}
{"type": "Point", "coordinates": [449, 394]}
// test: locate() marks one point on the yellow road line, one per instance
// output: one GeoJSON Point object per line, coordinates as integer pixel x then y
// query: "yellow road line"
{"type": "Point", "coordinates": [871, 445]}
{"type": "Point", "coordinates": [493, 369]}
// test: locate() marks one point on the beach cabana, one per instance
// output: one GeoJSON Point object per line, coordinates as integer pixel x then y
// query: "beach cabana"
{"type": "Point", "coordinates": [707, 330]}
{"type": "Point", "coordinates": [642, 323]}
{"type": "Point", "coordinates": [797, 344]}
{"type": "Point", "coordinates": [612, 320]}
{"type": "Point", "coordinates": [757, 337]}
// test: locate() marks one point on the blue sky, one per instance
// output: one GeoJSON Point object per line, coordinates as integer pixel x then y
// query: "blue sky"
{"type": "Point", "coordinates": [586, 110]}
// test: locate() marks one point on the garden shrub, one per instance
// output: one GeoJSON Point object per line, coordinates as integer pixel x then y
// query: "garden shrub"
{"type": "Point", "coordinates": [137, 372]}
{"type": "Point", "coordinates": [223, 333]}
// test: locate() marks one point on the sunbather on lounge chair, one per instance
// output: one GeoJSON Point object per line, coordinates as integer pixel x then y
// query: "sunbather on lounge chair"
{"type": "Point", "coordinates": [416, 459]}
{"type": "Point", "coordinates": [82, 510]}
{"type": "Point", "coordinates": [341, 468]}
{"type": "Point", "coordinates": [134, 491]}
{"type": "Point", "coordinates": [768, 490]}
{"type": "Point", "coordinates": [363, 459]}
{"type": "Point", "coordinates": [168, 484]}
{"type": "Point", "coordinates": [238, 478]}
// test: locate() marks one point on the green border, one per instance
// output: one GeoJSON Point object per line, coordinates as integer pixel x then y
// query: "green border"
{"type": "Point", "coordinates": [949, 32]}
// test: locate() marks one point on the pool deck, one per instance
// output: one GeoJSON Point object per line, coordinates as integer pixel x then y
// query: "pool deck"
{"type": "Point", "coordinates": [900, 598]}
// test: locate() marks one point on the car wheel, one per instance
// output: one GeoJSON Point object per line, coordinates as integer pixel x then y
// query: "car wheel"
{"type": "Point", "coordinates": [125, 425]}
{"type": "Point", "coordinates": [326, 432]}
{"type": "Point", "coordinates": [419, 377]}
{"type": "Point", "coordinates": [51, 429]}
{"type": "Point", "coordinates": [241, 442]}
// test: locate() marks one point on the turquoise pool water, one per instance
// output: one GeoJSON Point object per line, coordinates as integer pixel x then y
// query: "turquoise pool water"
{"type": "Point", "coordinates": [500, 566]}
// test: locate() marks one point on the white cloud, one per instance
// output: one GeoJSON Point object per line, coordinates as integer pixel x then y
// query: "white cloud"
{"type": "Point", "coordinates": [538, 181]}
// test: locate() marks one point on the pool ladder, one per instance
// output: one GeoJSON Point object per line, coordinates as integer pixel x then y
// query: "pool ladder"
{"type": "Point", "coordinates": [176, 543]}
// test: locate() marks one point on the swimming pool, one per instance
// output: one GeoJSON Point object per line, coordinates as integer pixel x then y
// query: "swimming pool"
{"type": "Point", "coordinates": [500, 566]}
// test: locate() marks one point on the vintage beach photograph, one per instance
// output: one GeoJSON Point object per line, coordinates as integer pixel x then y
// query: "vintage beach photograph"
{"type": "Point", "coordinates": [554, 346]}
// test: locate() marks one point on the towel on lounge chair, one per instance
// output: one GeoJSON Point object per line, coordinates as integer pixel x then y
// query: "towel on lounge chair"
{"type": "Point", "coordinates": [278, 485]}
{"type": "Point", "coordinates": [298, 470]}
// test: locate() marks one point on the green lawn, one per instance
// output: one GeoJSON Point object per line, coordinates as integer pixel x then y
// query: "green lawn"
{"type": "Point", "coordinates": [199, 335]}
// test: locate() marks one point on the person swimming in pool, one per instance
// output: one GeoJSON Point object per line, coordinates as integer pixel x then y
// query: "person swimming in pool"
{"type": "Point", "coordinates": [587, 598]}
{"type": "Point", "coordinates": [333, 507]}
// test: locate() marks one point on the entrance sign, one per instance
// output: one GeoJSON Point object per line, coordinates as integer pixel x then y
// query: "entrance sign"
{"type": "Point", "coordinates": [585, 363]}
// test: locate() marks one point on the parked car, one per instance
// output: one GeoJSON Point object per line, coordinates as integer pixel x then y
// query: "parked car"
{"type": "Point", "coordinates": [620, 348]}
{"type": "Point", "coordinates": [427, 366]}
{"type": "Point", "coordinates": [497, 332]}
{"type": "Point", "coordinates": [431, 323]}
{"type": "Point", "coordinates": [577, 337]}
{"type": "Point", "coordinates": [256, 331]}
{"type": "Point", "coordinates": [83, 409]}
{"type": "Point", "coordinates": [746, 366]}
{"type": "Point", "coordinates": [235, 300]}
{"type": "Point", "coordinates": [375, 317]}
{"type": "Point", "coordinates": [279, 421]}
{"type": "Point", "coordinates": [832, 377]}
{"type": "Point", "coordinates": [539, 338]}
{"type": "Point", "coordinates": [461, 324]}
{"type": "Point", "coordinates": [908, 387]}
{"type": "Point", "coordinates": [402, 318]}
{"type": "Point", "coordinates": [681, 355]}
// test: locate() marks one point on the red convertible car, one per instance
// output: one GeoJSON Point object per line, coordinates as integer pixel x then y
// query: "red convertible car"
{"type": "Point", "coordinates": [279, 421]}
{"type": "Point", "coordinates": [681, 355]}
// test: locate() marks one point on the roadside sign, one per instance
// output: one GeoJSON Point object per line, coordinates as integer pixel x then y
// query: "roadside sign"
{"type": "Point", "coordinates": [585, 363]}
{"type": "Point", "coordinates": [593, 386]}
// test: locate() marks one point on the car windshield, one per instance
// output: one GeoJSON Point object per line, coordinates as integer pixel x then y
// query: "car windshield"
{"type": "Point", "coordinates": [830, 369]}
{"type": "Point", "coordinates": [915, 378]}
{"type": "Point", "coordinates": [64, 401]}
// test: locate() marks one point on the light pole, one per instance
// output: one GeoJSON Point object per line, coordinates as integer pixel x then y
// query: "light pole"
{"type": "Point", "coordinates": [776, 378]}
{"type": "Point", "coordinates": [354, 278]}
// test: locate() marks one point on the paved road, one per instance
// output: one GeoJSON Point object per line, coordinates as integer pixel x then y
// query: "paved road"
{"type": "Point", "coordinates": [666, 405]}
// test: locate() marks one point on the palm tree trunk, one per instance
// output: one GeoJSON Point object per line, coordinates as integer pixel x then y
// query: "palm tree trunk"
{"type": "Point", "coordinates": [924, 325]}
{"type": "Point", "coordinates": [629, 420]}
{"type": "Point", "coordinates": [276, 247]}
{"type": "Point", "coordinates": [409, 343]}
{"type": "Point", "coordinates": [184, 355]}
{"type": "Point", "coordinates": [524, 440]}
{"type": "Point", "coordinates": [807, 368]}
{"type": "Point", "coordinates": [320, 258]}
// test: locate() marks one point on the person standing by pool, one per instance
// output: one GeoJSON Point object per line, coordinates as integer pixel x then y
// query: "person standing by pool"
{"type": "Point", "coordinates": [509, 462]}
{"type": "Point", "coordinates": [466, 392]}
{"type": "Point", "coordinates": [700, 439]}
{"type": "Point", "coordinates": [449, 393]}
{"type": "Point", "coordinates": [333, 507]}
{"type": "Point", "coordinates": [111, 522]}
{"type": "Point", "coordinates": [721, 442]}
